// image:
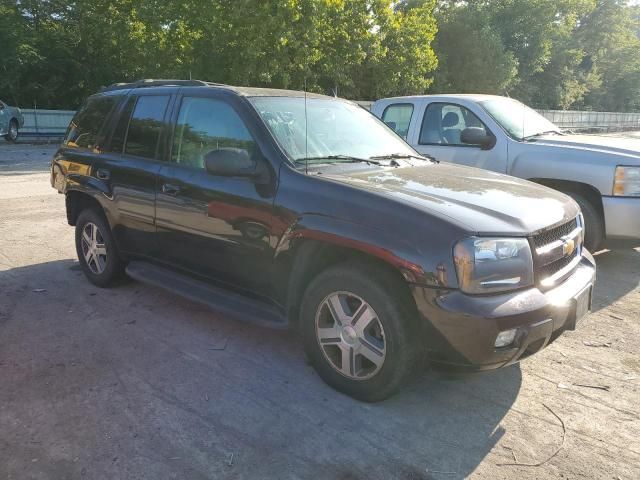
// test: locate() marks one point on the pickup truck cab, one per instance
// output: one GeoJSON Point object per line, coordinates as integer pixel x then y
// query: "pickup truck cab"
{"type": "Point", "coordinates": [11, 121]}
{"type": "Point", "coordinates": [501, 134]}
{"type": "Point", "coordinates": [290, 209]}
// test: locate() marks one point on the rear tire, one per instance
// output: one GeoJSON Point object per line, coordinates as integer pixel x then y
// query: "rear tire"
{"type": "Point", "coordinates": [593, 224]}
{"type": "Point", "coordinates": [97, 250]}
{"type": "Point", "coordinates": [372, 349]}
{"type": "Point", "coordinates": [12, 134]}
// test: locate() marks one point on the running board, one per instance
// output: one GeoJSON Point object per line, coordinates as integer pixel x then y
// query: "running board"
{"type": "Point", "coordinates": [219, 299]}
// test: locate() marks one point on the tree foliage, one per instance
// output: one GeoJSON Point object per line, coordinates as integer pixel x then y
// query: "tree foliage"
{"type": "Point", "coordinates": [57, 52]}
{"type": "Point", "coordinates": [548, 53]}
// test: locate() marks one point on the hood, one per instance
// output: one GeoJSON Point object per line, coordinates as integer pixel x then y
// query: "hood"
{"type": "Point", "coordinates": [629, 147]}
{"type": "Point", "coordinates": [479, 201]}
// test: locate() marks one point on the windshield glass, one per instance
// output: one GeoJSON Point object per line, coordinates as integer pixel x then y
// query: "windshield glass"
{"type": "Point", "coordinates": [335, 128]}
{"type": "Point", "coordinates": [517, 119]}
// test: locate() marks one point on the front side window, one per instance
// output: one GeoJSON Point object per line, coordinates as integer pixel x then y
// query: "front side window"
{"type": "Point", "coordinates": [87, 124]}
{"type": "Point", "coordinates": [206, 125]}
{"type": "Point", "coordinates": [398, 117]}
{"type": "Point", "coordinates": [443, 124]}
{"type": "Point", "coordinates": [145, 126]}
{"type": "Point", "coordinates": [327, 128]}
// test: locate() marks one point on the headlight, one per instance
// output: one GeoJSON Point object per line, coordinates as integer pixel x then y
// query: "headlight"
{"type": "Point", "coordinates": [489, 265]}
{"type": "Point", "coordinates": [627, 182]}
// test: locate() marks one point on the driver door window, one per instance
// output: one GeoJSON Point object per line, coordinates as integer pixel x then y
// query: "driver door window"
{"type": "Point", "coordinates": [205, 125]}
{"type": "Point", "coordinates": [443, 124]}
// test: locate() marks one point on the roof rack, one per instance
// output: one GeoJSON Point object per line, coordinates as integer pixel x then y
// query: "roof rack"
{"type": "Point", "coordinates": [150, 82]}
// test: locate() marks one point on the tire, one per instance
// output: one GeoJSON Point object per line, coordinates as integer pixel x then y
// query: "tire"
{"type": "Point", "coordinates": [389, 338]}
{"type": "Point", "coordinates": [99, 260]}
{"type": "Point", "coordinates": [12, 135]}
{"type": "Point", "coordinates": [593, 224]}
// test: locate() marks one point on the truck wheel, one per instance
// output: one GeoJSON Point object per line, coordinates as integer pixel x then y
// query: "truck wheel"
{"type": "Point", "coordinates": [593, 225]}
{"type": "Point", "coordinates": [12, 134]}
{"type": "Point", "coordinates": [359, 333]}
{"type": "Point", "coordinates": [96, 249]}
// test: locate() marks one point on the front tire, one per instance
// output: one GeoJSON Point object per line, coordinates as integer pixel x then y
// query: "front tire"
{"type": "Point", "coordinates": [359, 331]}
{"type": "Point", "coordinates": [593, 224]}
{"type": "Point", "coordinates": [96, 249]}
{"type": "Point", "coordinates": [12, 134]}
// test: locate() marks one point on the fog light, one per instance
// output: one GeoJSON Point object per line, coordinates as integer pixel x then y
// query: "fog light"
{"type": "Point", "coordinates": [506, 338]}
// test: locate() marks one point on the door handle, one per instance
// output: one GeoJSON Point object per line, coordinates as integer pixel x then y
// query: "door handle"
{"type": "Point", "coordinates": [103, 174]}
{"type": "Point", "coordinates": [169, 189]}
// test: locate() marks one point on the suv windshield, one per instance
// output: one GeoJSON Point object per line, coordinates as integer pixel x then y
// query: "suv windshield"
{"type": "Point", "coordinates": [336, 130]}
{"type": "Point", "coordinates": [517, 119]}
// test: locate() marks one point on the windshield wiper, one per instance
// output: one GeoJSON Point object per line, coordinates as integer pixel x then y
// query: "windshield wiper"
{"type": "Point", "coordinates": [547, 132]}
{"type": "Point", "coordinates": [342, 158]}
{"type": "Point", "coordinates": [394, 156]}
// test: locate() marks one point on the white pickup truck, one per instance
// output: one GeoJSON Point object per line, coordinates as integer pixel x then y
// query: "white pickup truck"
{"type": "Point", "coordinates": [602, 174]}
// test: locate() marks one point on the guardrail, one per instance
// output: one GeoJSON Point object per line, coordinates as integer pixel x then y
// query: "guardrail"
{"type": "Point", "coordinates": [53, 123]}
{"type": "Point", "coordinates": [45, 123]}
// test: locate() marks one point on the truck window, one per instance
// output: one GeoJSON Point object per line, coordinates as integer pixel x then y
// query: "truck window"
{"type": "Point", "coordinates": [444, 122]}
{"type": "Point", "coordinates": [145, 126]}
{"type": "Point", "coordinates": [86, 126]}
{"type": "Point", "coordinates": [206, 124]}
{"type": "Point", "coordinates": [120, 132]}
{"type": "Point", "coordinates": [398, 117]}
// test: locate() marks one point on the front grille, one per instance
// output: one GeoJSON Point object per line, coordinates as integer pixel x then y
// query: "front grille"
{"type": "Point", "coordinates": [555, 233]}
{"type": "Point", "coordinates": [553, 267]}
{"type": "Point", "coordinates": [544, 268]}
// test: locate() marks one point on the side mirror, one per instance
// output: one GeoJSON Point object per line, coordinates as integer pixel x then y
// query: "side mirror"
{"type": "Point", "coordinates": [477, 136]}
{"type": "Point", "coordinates": [234, 162]}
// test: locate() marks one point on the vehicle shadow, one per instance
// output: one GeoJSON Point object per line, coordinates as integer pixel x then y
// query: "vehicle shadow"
{"type": "Point", "coordinates": [618, 273]}
{"type": "Point", "coordinates": [184, 388]}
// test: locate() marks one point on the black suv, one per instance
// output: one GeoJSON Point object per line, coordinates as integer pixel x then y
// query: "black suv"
{"type": "Point", "coordinates": [286, 209]}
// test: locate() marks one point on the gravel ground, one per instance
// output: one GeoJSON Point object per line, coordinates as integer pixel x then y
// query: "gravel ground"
{"type": "Point", "coordinates": [133, 382]}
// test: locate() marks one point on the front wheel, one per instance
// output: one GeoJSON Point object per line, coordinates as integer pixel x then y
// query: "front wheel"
{"type": "Point", "coordinates": [359, 332]}
{"type": "Point", "coordinates": [593, 224]}
{"type": "Point", "coordinates": [12, 134]}
{"type": "Point", "coordinates": [96, 249]}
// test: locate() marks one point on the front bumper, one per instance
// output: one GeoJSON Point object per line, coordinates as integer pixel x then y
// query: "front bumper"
{"type": "Point", "coordinates": [460, 329]}
{"type": "Point", "coordinates": [622, 217]}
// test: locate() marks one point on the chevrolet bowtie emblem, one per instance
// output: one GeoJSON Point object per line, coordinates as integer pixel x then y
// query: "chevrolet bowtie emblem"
{"type": "Point", "coordinates": [568, 247]}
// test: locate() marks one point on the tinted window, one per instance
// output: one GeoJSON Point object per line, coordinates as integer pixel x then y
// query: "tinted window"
{"type": "Point", "coordinates": [120, 133]}
{"type": "Point", "coordinates": [88, 122]}
{"type": "Point", "coordinates": [398, 117]}
{"type": "Point", "coordinates": [443, 123]}
{"type": "Point", "coordinates": [145, 126]}
{"type": "Point", "coordinates": [204, 125]}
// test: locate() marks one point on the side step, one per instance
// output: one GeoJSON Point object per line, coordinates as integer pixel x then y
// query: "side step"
{"type": "Point", "coordinates": [219, 299]}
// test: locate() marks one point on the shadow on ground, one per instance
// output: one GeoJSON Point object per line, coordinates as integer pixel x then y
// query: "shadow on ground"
{"type": "Point", "coordinates": [133, 382]}
{"type": "Point", "coordinates": [618, 273]}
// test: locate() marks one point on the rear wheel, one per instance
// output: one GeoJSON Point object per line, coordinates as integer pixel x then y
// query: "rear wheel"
{"type": "Point", "coordinates": [593, 224]}
{"type": "Point", "coordinates": [96, 249]}
{"type": "Point", "coordinates": [358, 332]}
{"type": "Point", "coordinates": [12, 134]}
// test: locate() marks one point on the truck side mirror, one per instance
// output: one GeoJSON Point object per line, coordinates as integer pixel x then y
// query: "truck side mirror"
{"type": "Point", "coordinates": [479, 137]}
{"type": "Point", "coordinates": [235, 162]}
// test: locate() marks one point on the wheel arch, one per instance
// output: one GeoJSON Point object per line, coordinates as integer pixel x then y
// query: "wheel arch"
{"type": "Point", "coordinates": [591, 193]}
{"type": "Point", "coordinates": [78, 200]}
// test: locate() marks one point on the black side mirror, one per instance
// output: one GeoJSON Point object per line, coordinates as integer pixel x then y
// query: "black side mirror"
{"type": "Point", "coordinates": [234, 162]}
{"type": "Point", "coordinates": [477, 136]}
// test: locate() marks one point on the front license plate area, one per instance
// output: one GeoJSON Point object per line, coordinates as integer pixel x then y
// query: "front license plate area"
{"type": "Point", "coordinates": [581, 306]}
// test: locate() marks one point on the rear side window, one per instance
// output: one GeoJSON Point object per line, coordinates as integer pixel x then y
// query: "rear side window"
{"type": "Point", "coordinates": [85, 128]}
{"type": "Point", "coordinates": [144, 126]}
{"type": "Point", "coordinates": [398, 117]}
{"type": "Point", "coordinates": [120, 133]}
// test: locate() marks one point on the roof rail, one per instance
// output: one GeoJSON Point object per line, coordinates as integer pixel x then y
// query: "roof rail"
{"type": "Point", "coordinates": [150, 82]}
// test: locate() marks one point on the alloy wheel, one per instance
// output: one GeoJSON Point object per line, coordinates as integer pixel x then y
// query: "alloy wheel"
{"type": "Point", "coordinates": [94, 249]}
{"type": "Point", "coordinates": [350, 335]}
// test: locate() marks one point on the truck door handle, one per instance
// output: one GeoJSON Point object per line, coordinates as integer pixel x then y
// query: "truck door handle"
{"type": "Point", "coordinates": [169, 189]}
{"type": "Point", "coordinates": [103, 174]}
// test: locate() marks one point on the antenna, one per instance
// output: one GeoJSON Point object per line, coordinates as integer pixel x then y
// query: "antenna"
{"type": "Point", "coordinates": [306, 135]}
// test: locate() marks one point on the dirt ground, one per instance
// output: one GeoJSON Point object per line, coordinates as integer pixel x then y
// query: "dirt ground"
{"type": "Point", "coordinates": [133, 382]}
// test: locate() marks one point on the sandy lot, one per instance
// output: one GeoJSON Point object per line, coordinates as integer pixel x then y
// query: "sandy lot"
{"type": "Point", "coordinates": [133, 382]}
